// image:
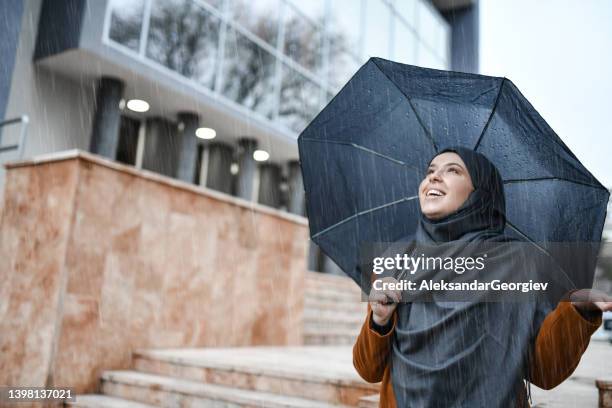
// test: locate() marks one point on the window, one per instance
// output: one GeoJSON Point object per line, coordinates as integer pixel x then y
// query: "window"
{"type": "Point", "coordinates": [248, 74]}
{"type": "Point", "coordinates": [303, 40]}
{"type": "Point", "coordinates": [407, 9]}
{"type": "Point", "coordinates": [184, 37]}
{"type": "Point", "coordinates": [345, 24]}
{"type": "Point", "coordinates": [342, 66]}
{"type": "Point", "coordinates": [377, 29]}
{"type": "Point", "coordinates": [300, 99]}
{"type": "Point", "coordinates": [260, 17]}
{"type": "Point", "coordinates": [404, 43]}
{"type": "Point", "coordinates": [126, 22]}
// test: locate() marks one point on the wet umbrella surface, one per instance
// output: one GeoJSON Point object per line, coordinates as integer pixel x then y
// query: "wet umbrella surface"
{"type": "Point", "coordinates": [365, 154]}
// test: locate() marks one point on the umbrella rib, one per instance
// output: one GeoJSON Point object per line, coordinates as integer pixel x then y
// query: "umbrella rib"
{"type": "Point", "coordinates": [357, 146]}
{"type": "Point", "coordinates": [362, 213]}
{"type": "Point", "coordinates": [541, 249]}
{"type": "Point", "coordinates": [484, 130]}
{"type": "Point", "coordinates": [554, 178]}
{"type": "Point", "coordinates": [429, 136]}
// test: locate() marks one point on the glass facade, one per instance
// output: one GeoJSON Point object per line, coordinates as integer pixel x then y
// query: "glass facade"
{"type": "Point", "coordinates": [282, 59]}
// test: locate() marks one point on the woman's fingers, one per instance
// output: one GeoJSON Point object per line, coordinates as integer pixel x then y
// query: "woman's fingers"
{"type": "Point", "coordinates": [604, 306]}
{"type": "Point", "coordinates": [391, 295]}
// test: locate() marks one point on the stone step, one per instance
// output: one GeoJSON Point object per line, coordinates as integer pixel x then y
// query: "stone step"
{"type": "Point", "coordinates": [325, 326]}
{"type": "Point", "coordinates": [335, 304]}
{"type": "Point", "coordinates": [371, 401]}
{"type": "Point", "coordinates": [321, 373]}
{"type": "Point", "coordinates": [329, 340]}
{"type": "Point", "coordinates": [316, 279]}
{"type": "Point", "coordinates": [335, 316]}
{"type": "Point", "coordinates": [333, 331]}
{"type": "Point", "coordinates": [330, 337]}
{"type": "Point", "coordinates": [173, 392]}
{"type": "Point", "coordinates": [316, 328]}
{"type": "Point", "coordinates": [105, 401]}
{"type": "Point", "coordinates": [331, 294]}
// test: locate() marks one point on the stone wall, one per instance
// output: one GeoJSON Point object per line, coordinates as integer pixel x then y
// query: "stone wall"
{"type": "Point", "coordinates": [99, 259]}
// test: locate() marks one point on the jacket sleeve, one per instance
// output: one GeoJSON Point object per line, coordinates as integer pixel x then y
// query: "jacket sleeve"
{"type": "Point", "coordinates": [371, 350]}
{"type": "Point", "coordinates": [562, 339]}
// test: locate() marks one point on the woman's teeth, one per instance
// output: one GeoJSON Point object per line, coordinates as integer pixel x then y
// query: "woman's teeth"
{"type": "Point", "coordinates": [436, 193]}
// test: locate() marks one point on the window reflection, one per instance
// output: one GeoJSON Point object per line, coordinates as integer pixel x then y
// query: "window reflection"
{"type": "Point", "coordinates": [248, 72]}
{"type": "Point", "coordinates": [429, 60]}
{"type": "Point", "coordinates": [184, 37]}
{"type": "Point", "coordinates": [342, 66]}
{"type": "Point", "coordinates": [300, 99]}
{"type": "Point", "coordinates": [259, 17]}
{"type": "Point", "coordinates": [429, 25]}
{"type": "Point", "coordinates": [378, 18]}
{"type": "Point", "coordinates": [218, 4]}
{"type": "Point", "coordinates": [442, 46]}
{"type": "Point", "coordinates": [303, 39]}
{"type": "Point", "coordinates": [404, 44]}
{"type": "Point", "coordinates": [407, 9]}
{"type": "Point", "coordinates": [312, 9]}
{"type": "Point", "coordinates": [126, 22]}
{"type": "Point", "coordinates": [345, 22]}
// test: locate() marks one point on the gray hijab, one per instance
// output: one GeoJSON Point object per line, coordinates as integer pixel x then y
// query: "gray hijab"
{"type": "Point", "coordinates": [470, 353]}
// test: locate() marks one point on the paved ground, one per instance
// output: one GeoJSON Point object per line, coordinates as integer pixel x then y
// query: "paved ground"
{"type": "Point", "coordinates": [579, 390]}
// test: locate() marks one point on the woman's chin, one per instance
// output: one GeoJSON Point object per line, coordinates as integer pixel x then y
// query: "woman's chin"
{"type": "Point", "coordinates": [434, 215]}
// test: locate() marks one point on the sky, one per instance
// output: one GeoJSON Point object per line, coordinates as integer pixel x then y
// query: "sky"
{"type": "Point", "coordinates": [559, 54]}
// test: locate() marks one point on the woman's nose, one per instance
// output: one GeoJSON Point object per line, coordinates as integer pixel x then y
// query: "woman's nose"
{"type": "Point", "coordinates": [434, 176]}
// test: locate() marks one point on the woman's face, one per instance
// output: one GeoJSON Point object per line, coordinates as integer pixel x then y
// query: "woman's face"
{"type": "Point", "coordinates": [445, 187]}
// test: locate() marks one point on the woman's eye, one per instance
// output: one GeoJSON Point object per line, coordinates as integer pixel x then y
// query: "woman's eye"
{"type": "Point", "coordinates": [454, 170]}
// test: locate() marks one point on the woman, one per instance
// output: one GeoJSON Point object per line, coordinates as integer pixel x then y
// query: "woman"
{"type": "Point", "coordinates": [468, 354]}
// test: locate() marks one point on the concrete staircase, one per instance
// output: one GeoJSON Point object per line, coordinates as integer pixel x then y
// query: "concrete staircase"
{"type": "Point", "coordinates": [320, 374]}
{"type": "Point", "coordinates": [333, 310]}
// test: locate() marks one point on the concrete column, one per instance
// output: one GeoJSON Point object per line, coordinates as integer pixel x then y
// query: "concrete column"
{"type": "Point", "coordinates": [314, 257]}
{"type": "Point", "coordinates": [269, 185]}
{"type": "Point", "coordinates": [329, 266]}
{"type": "Point", "coordinates": [218, 175]}
{"type": "Point", "coordinates": [465, 37]}
{"type": "Point", "coordinates": [161, 149]}
{"type": "Point", "coordinates": [107, 116]}
{"type": "Point", "coordinates": [188, 150]}
{"type": "Point", "coordinates": [247, 169]}
{"type": "Point", "coordinates": [295, 191]}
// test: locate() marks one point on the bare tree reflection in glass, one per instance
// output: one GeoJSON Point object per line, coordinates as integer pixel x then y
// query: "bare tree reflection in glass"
{"type": "Point", "coordinates": [248, 72]}
{"type": "Point", "coordinates": [184, 36]}
{"type": "Point", "coordinates": [126, 22]}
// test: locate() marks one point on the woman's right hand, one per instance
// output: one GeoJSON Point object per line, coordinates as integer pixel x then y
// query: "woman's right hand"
{"type": "Point", "coordinates": [383, 302]}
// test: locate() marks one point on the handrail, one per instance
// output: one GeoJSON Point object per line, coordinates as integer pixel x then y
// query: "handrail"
{"type": "Point", "coordinates": [24, 120]}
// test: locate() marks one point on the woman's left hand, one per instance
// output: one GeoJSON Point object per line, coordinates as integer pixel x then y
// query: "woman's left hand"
{"type": "Point", "coordinates": [591, 300]}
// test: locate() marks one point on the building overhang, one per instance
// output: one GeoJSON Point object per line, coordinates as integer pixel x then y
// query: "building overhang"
{"type": "Point", "coordinates": [448, 5]}
{"type": "Point", "coordinates": [168, 94]}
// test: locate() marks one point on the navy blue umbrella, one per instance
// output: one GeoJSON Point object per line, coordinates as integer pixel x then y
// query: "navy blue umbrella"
{"type": "Point", "coordinates": [365, 154]}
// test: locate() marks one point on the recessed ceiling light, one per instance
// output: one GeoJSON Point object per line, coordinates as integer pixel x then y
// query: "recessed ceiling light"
{"type": "Point", "coordinates": [138, 105]}
{"type": "Point", "coordinates": [206, 133]}
{"type": "Point", "coordinates": [261, 155]}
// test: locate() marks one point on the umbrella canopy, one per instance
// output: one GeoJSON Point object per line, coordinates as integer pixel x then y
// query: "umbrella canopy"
{"type": "Point", "coordinates": [366, 152]}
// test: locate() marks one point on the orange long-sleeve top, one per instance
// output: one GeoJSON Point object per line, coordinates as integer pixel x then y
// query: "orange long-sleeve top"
{"type": "Point", "coordinates": [555, 356]}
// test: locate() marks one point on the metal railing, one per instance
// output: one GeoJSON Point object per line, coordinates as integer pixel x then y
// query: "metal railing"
{"type": "Point", "coordinates": [24, 120]}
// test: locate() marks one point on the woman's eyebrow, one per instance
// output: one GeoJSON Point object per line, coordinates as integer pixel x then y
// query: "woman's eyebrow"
{"type": "Point", "coordinates": [446, 165]}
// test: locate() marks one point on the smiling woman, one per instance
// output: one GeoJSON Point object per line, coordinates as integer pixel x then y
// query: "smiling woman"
{"type": "Point", "coordinates": [449, 353]}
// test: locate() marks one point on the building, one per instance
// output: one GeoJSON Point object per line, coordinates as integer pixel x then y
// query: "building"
{"type": "Point", "coordinates": [138, 81]}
